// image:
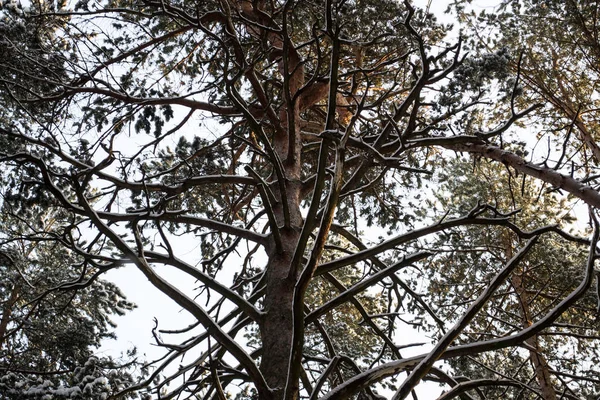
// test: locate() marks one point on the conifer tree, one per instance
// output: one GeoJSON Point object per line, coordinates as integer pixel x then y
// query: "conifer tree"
{"type": "Point", "coordinates": [278, 153]}
{"type": "Point", "coordinates": [532, 289]}
{"type": "Point", "coordinates": [54, 315]}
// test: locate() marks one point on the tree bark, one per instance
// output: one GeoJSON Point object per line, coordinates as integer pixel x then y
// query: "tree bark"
{"type": "Point", "coordinates": [6, 313]}
{"type": "Point", "coordinates": [278, 325]}
{"type": "Point", "coordinates": [539, 363]}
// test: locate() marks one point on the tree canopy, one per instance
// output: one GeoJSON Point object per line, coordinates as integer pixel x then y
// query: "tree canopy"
{"type": "Point", "coordinates": [331, 174]}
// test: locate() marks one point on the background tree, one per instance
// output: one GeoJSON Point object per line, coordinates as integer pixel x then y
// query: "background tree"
{"type": "Point", "coordinates": [559, 47]}
{"type": "Point", "coordinates": [533, 289]}
{"type": "Point", "coordinates": [54, 314]}
{"type": "Point", "coordinates": [290, 143]}
{"type": "Point", "coordinates": [54, 311]}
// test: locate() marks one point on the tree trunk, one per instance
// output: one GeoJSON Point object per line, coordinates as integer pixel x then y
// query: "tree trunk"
{"type": "Point", "coordinates": [6, 313]}
{"type": "Point", "coordinates": [540, 366]}
{"type": "Point", "coordinates": [277, 327]}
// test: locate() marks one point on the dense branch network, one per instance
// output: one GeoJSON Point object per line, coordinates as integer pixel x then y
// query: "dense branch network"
{"type": "Point", "coordinates": [281, 138]}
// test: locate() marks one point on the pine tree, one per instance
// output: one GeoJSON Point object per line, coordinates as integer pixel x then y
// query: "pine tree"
{"type": "Point", "coordinates": [54, 314]}
{"type": "Point", "coordinates": [472, 257]}
{"type": "Point", "coordinates": [291, 146]}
